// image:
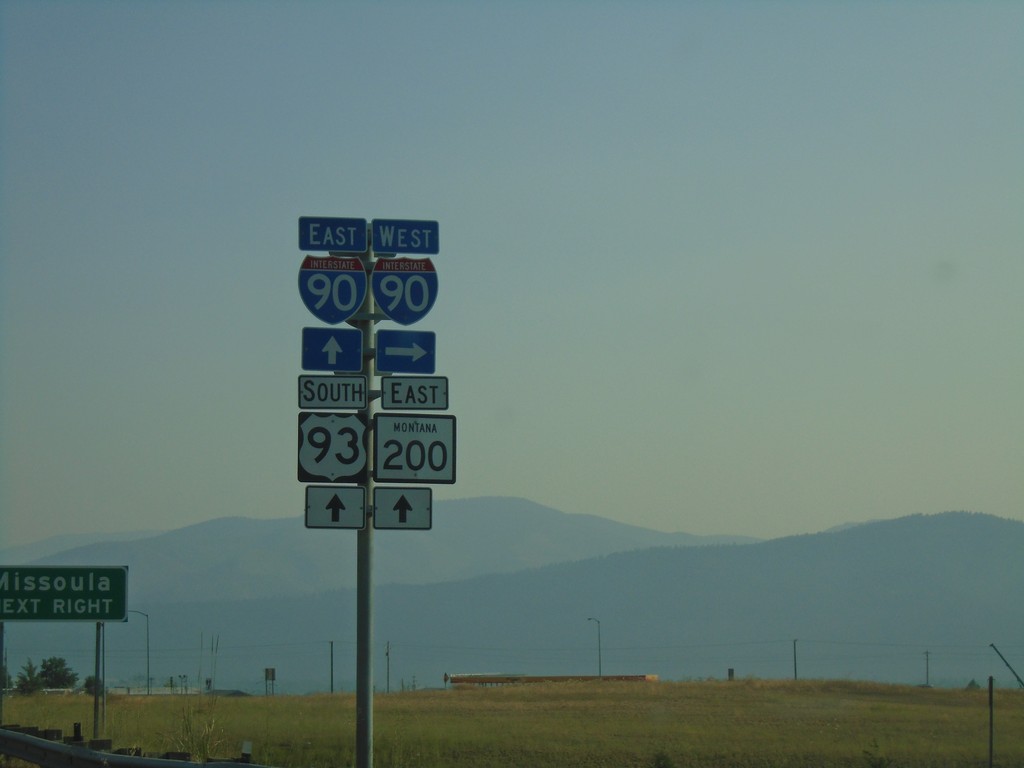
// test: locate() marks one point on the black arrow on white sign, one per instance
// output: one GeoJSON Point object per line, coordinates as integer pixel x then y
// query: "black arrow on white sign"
{"type": "Point", "coordinates": [402, 507]}
{"type": "Point", "coordinates": [335, 506]}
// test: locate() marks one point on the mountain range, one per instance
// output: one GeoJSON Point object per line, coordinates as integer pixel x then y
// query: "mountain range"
{"type": "Point", "coordinates": [240, 558]}
{"type": "Point", "coordinates": [505, 585]}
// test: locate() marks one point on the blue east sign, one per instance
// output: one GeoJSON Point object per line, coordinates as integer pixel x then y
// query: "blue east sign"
{"type": "Point", "coordinates": [325, 233]}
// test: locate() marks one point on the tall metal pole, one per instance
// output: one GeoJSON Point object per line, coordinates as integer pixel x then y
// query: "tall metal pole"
{"type": "Point", "coordinates": [3, 672]}
{"type": "Point", "coordinates": [98, 678]}
{"type": "Point", "coordinates": [332, 665]}
{"type": "Point", "coordinates": [364, 550]}
{"type": "Point", "coordinates": [598, 622]}
{"type": "Point", "coordinates": [149, 680]}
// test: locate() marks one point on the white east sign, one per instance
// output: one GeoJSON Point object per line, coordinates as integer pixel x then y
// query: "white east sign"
{"type": "Point", "coordinates": [414, 393]}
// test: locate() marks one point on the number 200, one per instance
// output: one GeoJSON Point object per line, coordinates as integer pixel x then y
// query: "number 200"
{"type": "Point", "coordinates": [416, 455]}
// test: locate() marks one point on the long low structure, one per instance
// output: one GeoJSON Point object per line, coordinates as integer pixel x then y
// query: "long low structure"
{"type": "Point", "coordinates": [499, 679]}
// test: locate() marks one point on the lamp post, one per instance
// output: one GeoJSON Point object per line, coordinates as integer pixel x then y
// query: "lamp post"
{"type": "Point", "coordinates": [598, 622]}
{"type": "Point", "coordinates": [149, 684]}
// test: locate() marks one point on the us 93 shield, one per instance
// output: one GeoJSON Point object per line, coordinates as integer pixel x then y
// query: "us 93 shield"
{"type": "Point", "coordinates": [332, 447]}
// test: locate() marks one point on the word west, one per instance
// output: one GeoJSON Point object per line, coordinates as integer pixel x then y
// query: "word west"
{"type": "Point", "coordinates": [405, 237]}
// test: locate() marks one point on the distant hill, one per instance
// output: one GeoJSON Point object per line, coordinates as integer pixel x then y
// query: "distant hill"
{"type": "Point", "coordinates": [240, 558]}
{"type": "Point", "coordinates": [866, 602]}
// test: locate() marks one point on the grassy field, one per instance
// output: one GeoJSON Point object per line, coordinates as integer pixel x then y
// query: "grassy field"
{"type": "Point", "coordinates": [744, 723]}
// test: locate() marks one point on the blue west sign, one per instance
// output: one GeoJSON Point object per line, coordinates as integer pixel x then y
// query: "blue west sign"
{"type": "Point", "coordinates": [405, 236]}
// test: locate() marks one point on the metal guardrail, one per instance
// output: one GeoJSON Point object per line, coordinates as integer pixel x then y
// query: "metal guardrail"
{"type": "Point", "coordinates": [54, 754]}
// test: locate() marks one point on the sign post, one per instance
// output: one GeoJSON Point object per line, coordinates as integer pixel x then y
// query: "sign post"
{"type": "Point", "coordinates": [65, 593]}
{"type": "Point", "coordinates": [365, 279]}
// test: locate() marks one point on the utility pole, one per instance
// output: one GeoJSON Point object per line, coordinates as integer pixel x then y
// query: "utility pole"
{"type": "Point", "coordinates": [598, 622]}
{"type": "Point", "coordinates": [1019, 681]}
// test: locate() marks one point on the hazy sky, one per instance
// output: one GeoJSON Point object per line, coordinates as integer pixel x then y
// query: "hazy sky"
{"type": "Point", "coordinates": [751, 268]}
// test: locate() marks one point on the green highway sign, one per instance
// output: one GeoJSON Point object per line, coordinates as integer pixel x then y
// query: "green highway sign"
{"type": "Point", "coordinates": [72, 593]}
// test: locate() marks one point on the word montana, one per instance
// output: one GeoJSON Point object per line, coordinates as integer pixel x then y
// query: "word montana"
{"type": "Point", "coordinates": [70, 594]}
{"type": "Point", "coordinates": [414, 426]}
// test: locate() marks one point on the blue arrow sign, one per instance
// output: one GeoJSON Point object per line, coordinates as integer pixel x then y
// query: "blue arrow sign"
{"type": "Point", "coordinates": [332, 349]}
{"type": "Point", "coordinates": [405, 351]}
{"type": "Point", "coordinates": [325, 233]}
{"type": "Point", "coordinates": [405, 236]}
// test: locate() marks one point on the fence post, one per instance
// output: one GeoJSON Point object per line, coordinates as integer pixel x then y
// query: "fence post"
{"type": "Point", "coordinates": [991, 722]}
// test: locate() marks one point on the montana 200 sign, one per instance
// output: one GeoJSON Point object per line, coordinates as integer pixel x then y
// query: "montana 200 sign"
{"type": "Point", "coordinates": [84, 593]}
{"type": "Point", "coordinates": [414, 448]}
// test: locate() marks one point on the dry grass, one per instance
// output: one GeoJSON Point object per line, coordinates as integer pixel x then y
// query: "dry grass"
{"type": "Point", "coordinates": [643, 725]}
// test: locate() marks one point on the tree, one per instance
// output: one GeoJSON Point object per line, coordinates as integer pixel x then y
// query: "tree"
{"type": "Point", "coordinates": [91, 685]}
{"type": "Point", "coordinates": [56, 673]}
{"type": "Point", "coordinates": [29, 680]}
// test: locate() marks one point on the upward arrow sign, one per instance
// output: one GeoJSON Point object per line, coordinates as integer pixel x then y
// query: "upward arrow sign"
{"type": "Point", "coordinates": [336, 507]}
{"type": "Point", "coordinates": [402, 507]}
{"type": "Point", "coordinates": [333, 349]}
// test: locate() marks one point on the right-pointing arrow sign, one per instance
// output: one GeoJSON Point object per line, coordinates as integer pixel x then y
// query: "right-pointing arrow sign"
{"type": "Point", "coordinates": [405, 351]}
{"type": "Point", "coordinates": [402, 508]}
{"type": "Point", "coordinates": [414, 353]}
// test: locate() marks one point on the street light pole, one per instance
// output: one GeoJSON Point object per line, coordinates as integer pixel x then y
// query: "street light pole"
{"type": "Point", "coordinates": [149, 680]}
{"type": "Point", "coordinates": [598, 622]}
